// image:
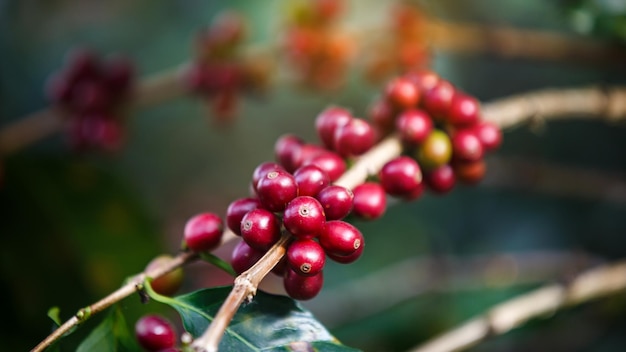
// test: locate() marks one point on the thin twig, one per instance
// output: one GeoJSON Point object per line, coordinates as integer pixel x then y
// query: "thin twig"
{"type": "Point", "coordinates": [592, 284]}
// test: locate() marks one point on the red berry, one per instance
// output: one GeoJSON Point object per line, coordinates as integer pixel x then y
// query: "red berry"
{"type": "Point", "coordinates": [336, 202]}
{"type": "Point", "coordinates": [304, 217]}
{"type": "Point", "coordinates": [370, 200]}
{"type": "Point", "coordinates": [262, 170]}
{"type": "Point", "coordinates": [155, 333]}
{"type": "Point", "coordinates": [203, 232]}
{"type": "Point", "coordinates": [303, 287]}
{"type": "Point", "coordinates": [90, 96]}
{"type": "Point", "coordinates": [260, 229]}
{"type": "Point", "coordinates": [81, 64]}
{"type": "Point", "coordinates": [286, 149]}
{"type": "Point", "coordinates": [346, 259]}
{"type": "Point", "coordinates": [438, 99]}
{"type": "Point", "coordinates": [236, 211]}
{"type": "Point", "coordinates": [332, 163]}
{"type": "Point", "coordinates": [310, 180]}
{"type": "Point", "coordinates": [414, 126]}
{"type": "Point", "coordinates": [401, 176]}
{"type": "Point", "coordinates": [489, 135]}
{"type": "Point", "coordinates": [469, 172]}
{"type": "Point", "coordinates": [466, 146]}
{"type": "Point", "coordinates": [306, 257]}
{"type": "Point", "coordinates": [441, 179]}
{"type": "Point", "coordinates": [244, 257]}
{"type": "Point", "coordinates": [276, 189]}
{"type": "Point", "coordinates": [327, 122]}
{"type": "Point", "coordinates": [340, 238]}
{"type": "Point", "coordinates": [424, 80]}
{"type": "Point", "coordinates": [464, 110]}
{"type": "Point", "coordinates": [118, 73]}
{"type": "Point", "coordinates": [166, 284]}
{"type": "Point", "coordinates": [354, 138]}
{"type": "Point", "coordinates": [402, 93]}
{"type": "Point", "coordinates": [382, 115]}
{"type": "Point", "coordinates": [307, 152]}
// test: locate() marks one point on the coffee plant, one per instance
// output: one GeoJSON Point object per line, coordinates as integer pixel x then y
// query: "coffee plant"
{"type": "Point", "coordinates": [359, 184]}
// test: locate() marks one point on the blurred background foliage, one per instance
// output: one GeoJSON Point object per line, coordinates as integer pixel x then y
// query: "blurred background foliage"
{"type": "Point", "coordinates": [72, 227]}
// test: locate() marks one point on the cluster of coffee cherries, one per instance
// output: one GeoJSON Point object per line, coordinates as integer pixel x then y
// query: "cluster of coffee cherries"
{"type": "Point", "coordinates": [442, 131]}
{"type": "Point", "coordinates": [315, 47]}
{"type": "Point", "coordinates": [219, 72]}
{"type": "Point", "coordinates": [92, 93]}
{"type": "Point", "coordinates": [155, 334]}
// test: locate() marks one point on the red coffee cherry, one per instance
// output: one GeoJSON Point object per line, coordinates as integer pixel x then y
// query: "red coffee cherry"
{"type": "Point", "coordinates": [438, 99]}
{"type": "Point", "coordinates": [464, 110]}
{"type": "Point", "coordinates": [414, 126]}
{"type": "Point", "coordinates": [287, 149]}
{"type": "Point", "coordinates": [402, 93]}
{"type": "Point", "coordinates": [346, 259]}
{"type": "Point", "coordinates": [203, 232]}
{"type": "Point", "coordinates": [370, 201]}
{"type": "Point", "coordinates": [90, 96]}
{"type": "Point", "coordinates": [306, 257]}
{"type": "Point", "coordinates": [401, 176]}
{"type": "Point", "coordinates": [327, 122]}
{"type": "Point", "coordinates": [244, 257]}
{"type": "Point", "coordinates": [466, 146]}
{"type": "Point", "coordinates": [236, 211]}
{"type": "Point", "coordinates": [304, 217]}
{"type": "Point", "coordinates": [336, 201]}
{"type": "Point", "coordinates": [276, 189]}
{"type": "Point", "coordinates": [118, 73]}
{"type": "Point", "coordinates": [424, 80]}
{"type": "Point", "coordinates": [469, 172]}
{"type": "Point", "coordinates": [354, 138]}
{"type": "Point", "coordinates": [382, 115]}
{"type": "Point", "coordinates": [303, 287]}
{"type": "Point", "coordinates": [260, 229]}
{"type": "Point", "coordinates": [311, 179]}
{"type": "Point", "coordinates": [489, 135]}
{"type": "Point", "coordinates": [81, 64]}
{"type": "Point", "coordinates": [435, 151]}
{"type": "Point", "coordinates": [440, 180]}
{"type": "Point", "coordinates": [166, 284]}
{"type": "Point", "coordinates": [262, 170]}
{"type": "Point", "coordinates": [154, 333]}
{"type": "Point", "coordinates": [340, 238]}
{"type": "Point", "coordinates": [331, 163]}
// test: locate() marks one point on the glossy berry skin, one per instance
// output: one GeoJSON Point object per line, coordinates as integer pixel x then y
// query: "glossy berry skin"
{"type": "Point", "coordinates": [435, 151]}
{"type": "Point", "coordinates": [236, 211]}
{"type": "Point", "coordinates": [262, 170]}
{"type": "Point", "coordinates": [304, 217]}
{"type": "Point", "coordinates": [203, 232]}
{"type": "Point", "coordinates": [331, 163]}
{"type": "Point", "coordinates": [306, 257]}
{"type": "Point", "coordinates": [382, 115]}
{"type": "Point", "coordinates": [260, 229]}
{"type": "Point", "coordinates": [340, 238]}
{"type": "Point", "coordinates": [402, 93]}
{"type": "Point", "coordinates": [440, 180]}
{"type": "Point", "coordinates": [370, 201]}
{"type": "Point", "coordinates": [346, 259]}
{"type": "Point", "coordinates": [464, 110]}
{"type": "Point", "coordinates": [166, 284]}
{"type": "Point", "coordinates": [469, 172]}
{"type": "Point", "coordinates": [354, 138]}
{"type": "Point", "coordinates": [489, 135]}
{"type": "Point", "coordinates": [327, 122]}
{"type": "Point", "coordinates": [286, 150]}
{"type": "Point", "coordinates": [302, 287]}
{"type": "Point", "coordinates": [466, 146]}
{"type": "Point", "coordinates": [336, 201]}
{"type": "Point", "coordinates": [310, 180]}
{"type": "Point", "coordinates": [276, 189]}
{"type": "Point", "coordinates": [424, 80]}
{"type": "Point", "coordinates": [438, 99]}
{"type": "Point", "coordinates": [401, 176]}
{"type": "Point", "coordinates": [244, 257]}
{"type": "Point", "coordinates": [414, 126]}
{"type": "Point", "coordinates": [154, 333]}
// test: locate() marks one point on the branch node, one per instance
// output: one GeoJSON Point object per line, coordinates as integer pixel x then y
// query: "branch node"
{"type": "Point", "coordinates": [83, 314]}
{"type": "Point", "coordinates": [244, 282]}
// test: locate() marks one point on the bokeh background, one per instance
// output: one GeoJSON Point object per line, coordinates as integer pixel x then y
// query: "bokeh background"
{"type": "Point", "coordinates": [73, 226]}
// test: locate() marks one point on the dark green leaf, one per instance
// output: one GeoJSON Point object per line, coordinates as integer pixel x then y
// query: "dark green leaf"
{"type": "Point", "coordinates": [218, 262]}
{"type": "Point", "coordinates": [53, 313]}
{"type": "Point", "coordinates": [110, 335]}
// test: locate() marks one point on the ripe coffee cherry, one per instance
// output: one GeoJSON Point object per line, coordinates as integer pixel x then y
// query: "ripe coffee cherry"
{"type": "Point", "coordinates": [262, 170]}
{"type": "Point", "coordinates": [203, 232]}
{"type": "Point", "coordinates": [244, 257]}
{"type": "Point", "coordinates": [354, 138]}
{"type": "Point", "coordinates": [118, 73]}
{"type": "Point", "coordinates": [340, 238]}
{"type": "Point", "coordinates": [304, 217]}
{"type": "Point", "coordinates": [90, 96]}
{"type": "Point", "coordinates": [469, 172]}
{"type": "Point", "coordinates": [336, 201]}
{"type": "Point", "coordinates": [464, 110]}
{"type": "Point", "coordinates": [370, 201]}
{"type": "Point", "coordinates": [332, 163]}
{"type": "Point", "coordinates": [414, 126]}
{"type": "Point", "coordinates": [440, 180]}
{"type": "Point", "coordinates": [489, 135]}
{"type": "Point", "coordinates": [166, 284]}
{"type": "Point", "coordinates": [276, 189]}
{"type": "Point", "coordinates": [400, 176]}
{"type": "Point", "coordinates": [155, 333]}
{"type": "Point", "coordinates": [286, 149]}
{"type": "Point", "coordinates": [466, 146]}
{"type": "Point", "coordinates": [346, 259]}
{"type": "Point", "coordinates": [424, 80]}
{"type": "Point", "coordinates": [236, 210]}
{"type": "Point", "coordinates": [306, 257]}
{"type": "Point", "coordinates": [82, 64]}
{"type": "Point", "coordinates": [310, 180]}
{"type": "Point", "coordinates": [260, 229]}
{"type": "Point", "coordinates": [382, 115]}
{"type": "Point", "coordinates": [438, 99]}
{"type": "Point", "coordinates": [402, 93]}
{"type": "Point", "coordinates": [303, 287]}
{"type": "Point", "coordinates": [327, 122]}
{"type": "Point", "coordinates": [435, 151]}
